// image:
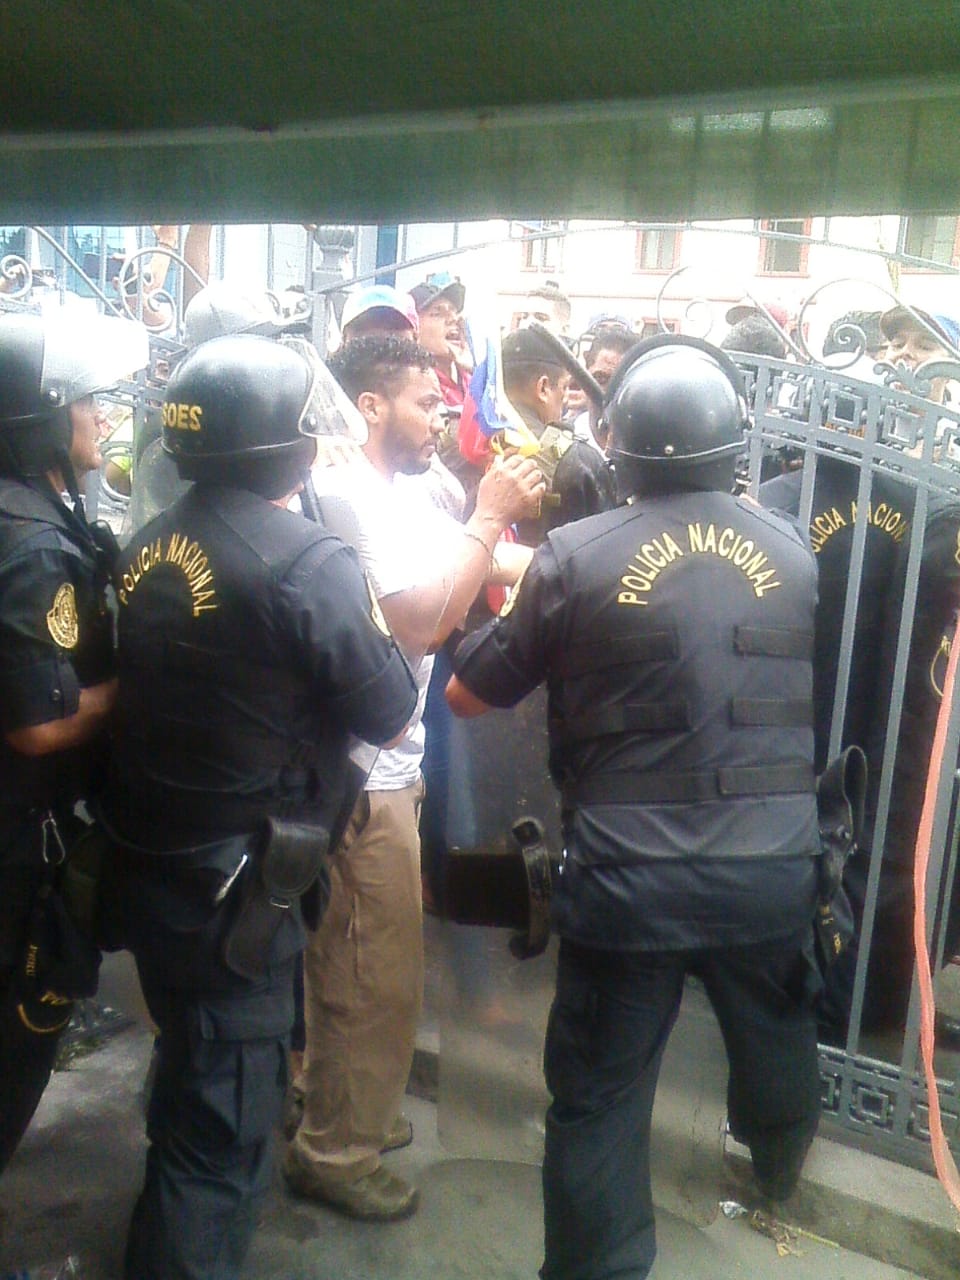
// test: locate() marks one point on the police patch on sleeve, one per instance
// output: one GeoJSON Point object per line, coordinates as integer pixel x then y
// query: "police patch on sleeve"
{"type": "Point", "coordinates": [376, 613]}
{"type": "Point", "coordinates": [511, 599]}
{"type": "Point", "coordinates": [62, 622]}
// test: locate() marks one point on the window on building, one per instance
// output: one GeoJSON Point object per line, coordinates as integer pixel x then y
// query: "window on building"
{"type": "Point", "coordinates": [13, 240]}
{"type": "Point", "coordinates": [784, 257]}
{"type": "Point", "coordinates": [545, 252]}
{"type": "Point", "coordinates": [93, 248]}
{"type": "Point", "coordinates": [13, 245]}
{"type": "Point", "coordinates": [932, 238]}
{"type": "Point", "coordinates": [649, 328]}
{"type": "Point", "coordinates": [657, 250]}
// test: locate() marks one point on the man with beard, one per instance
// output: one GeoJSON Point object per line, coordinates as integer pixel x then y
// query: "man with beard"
{"type": "Point", "coordinates": [363, 968]}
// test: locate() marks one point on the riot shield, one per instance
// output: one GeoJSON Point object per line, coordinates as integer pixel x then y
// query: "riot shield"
{"type": "Point", "coordinates": [156, 486]}
{"type": "Point", "coordinates": [494, 1006]}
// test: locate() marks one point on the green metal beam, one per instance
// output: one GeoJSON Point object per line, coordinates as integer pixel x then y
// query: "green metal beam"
{"type": "Point", "coordinates": [381, 110]}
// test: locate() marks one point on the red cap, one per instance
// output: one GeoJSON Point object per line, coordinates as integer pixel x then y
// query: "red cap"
{"type": "Point", "coordinates": [777, 313]}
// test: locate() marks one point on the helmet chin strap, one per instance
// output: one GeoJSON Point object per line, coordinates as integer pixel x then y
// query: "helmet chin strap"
{"type": "Point", "coordinates": [39, 462]}
{"type": "Point", "coordinates": [10, 464]}
{"type": "Point", "coordinates": [69, 476]}
{"type": "Point", "coordinates": [63, 466]}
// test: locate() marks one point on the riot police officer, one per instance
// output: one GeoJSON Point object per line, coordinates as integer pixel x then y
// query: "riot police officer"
{"type": "Point", "coordinates": [833, 525]}
{"type": "Point", "coordinates": [215, 311]}
{"type": "Point", "coordinates": [674, 634]}
{"type": "Point", "coordinates": [56, 663]}
{"type": "Point", "coordinates": [249, 648]}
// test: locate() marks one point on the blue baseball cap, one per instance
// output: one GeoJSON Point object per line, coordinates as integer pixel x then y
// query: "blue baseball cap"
{"type": "Point", "coordinates": [608, 320]}
{"type": "Point", "coordinates": [901, 317]}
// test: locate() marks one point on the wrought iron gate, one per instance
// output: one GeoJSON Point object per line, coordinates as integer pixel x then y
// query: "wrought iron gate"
{"type": "Point", "coordinates": [882, 433]}
{"type": "Point", "coordinates": [807, 414]}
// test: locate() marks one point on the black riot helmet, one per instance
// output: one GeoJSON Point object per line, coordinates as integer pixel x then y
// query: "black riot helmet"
{"type": "Point", "coordinates": [676, 416]}
{"type": "Point", "coordinates": [245, 411]}
{"type": "Point", "coordinates": [48, 363]}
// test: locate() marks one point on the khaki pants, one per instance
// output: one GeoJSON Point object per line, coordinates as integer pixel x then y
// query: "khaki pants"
{"type": "Point", "coordinates": [363, 988]}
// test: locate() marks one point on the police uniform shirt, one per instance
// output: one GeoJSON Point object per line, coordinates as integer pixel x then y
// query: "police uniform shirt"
{"type": "Point", "coordinates": [831, 533]}
{"type": "Point", "coordinates": [55, 638]}
{"type": "Point", "coordinates": [250, 646]}
{"type": "Point", "coordinates": [583, 484]}
{"type": "Point", "coordinates": [579, 480]}
{"type": "Point", "coordinates": [639, 607]}
{"type": "Point", "coordinates": [931, 637]}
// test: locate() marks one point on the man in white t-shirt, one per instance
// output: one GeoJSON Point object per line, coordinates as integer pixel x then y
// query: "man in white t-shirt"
{"type": "Point", "coordinates": [363, 968]}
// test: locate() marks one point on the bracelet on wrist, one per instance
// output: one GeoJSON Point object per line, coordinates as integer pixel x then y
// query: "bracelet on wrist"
{"type": "Point", "coordinates": [468, 533]}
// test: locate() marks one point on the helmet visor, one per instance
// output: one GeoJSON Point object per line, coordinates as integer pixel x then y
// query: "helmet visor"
{"type": "Point", "coordinates": [328, 410]}
{"type": "Point", "coordinates": [80, 357]}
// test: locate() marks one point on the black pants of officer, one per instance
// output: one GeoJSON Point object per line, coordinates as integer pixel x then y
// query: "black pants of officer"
{"type": "Point", "coordinates": [437, 719]}
{"type": "Point", "coordinates": [28, 1036]}
{"type": "Point", "coordinates": [890, 966]}
{"type": "Point", "coordinates": [609, 1024]}
{"type": "Point", "coordinates": [217, 1096]}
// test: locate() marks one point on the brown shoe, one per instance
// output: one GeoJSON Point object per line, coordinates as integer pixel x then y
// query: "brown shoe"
{"type": "Point", "coordinates": [376, 1197]}
{"type": "Point", "coordinates": [400, 1135]}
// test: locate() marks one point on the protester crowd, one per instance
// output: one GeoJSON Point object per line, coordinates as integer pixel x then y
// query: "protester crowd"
{"type": "Point", "coordinates": [235, 726]}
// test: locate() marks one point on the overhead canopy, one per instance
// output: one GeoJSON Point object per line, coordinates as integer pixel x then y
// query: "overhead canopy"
{"type": "Point", "coordinates": [382, 110]}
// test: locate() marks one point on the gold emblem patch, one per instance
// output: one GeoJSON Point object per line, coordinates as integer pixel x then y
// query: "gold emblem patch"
{"type": "Point", "coordinates": [62, 620]}
{"type": "Point", "coordinates": [511, 599]}
{"type": "Point", "coordinates": [376, 613]}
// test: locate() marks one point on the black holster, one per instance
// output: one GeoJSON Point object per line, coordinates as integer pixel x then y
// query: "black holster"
{"type": "Point", "coordinates": [289, 858]}
{"type": "Point", "coordinates": [82, 879]}
{"type": "Point", "coordinates": [313, 903]}
{"type": "Point", "coordinates": [60, 961]}
{"type": "Point", "coordinates": [841, 799]}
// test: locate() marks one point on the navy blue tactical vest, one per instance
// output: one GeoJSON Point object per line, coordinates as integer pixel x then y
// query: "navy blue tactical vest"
{"type": "Point", "coordinates": [832, 526]}
{"type": "Point", "coordinates": [219, 718]}
{"type": "Point", "coordinates": [681, 703]}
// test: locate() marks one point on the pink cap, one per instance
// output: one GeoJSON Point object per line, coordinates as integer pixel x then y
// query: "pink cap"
{"type": "Point", "coordinates": [740, 312]}
{"type": "Point", "coordinates": [380, 297]}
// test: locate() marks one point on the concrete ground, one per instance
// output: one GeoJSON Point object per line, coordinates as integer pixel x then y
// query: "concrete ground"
{"type": "Point", "coordinates": [70, 1188]}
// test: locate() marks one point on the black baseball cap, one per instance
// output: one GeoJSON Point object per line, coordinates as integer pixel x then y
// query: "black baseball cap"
{"type": "Point", "coordinates": [529, 347]}
{"type": "Point", "coordinates": [442, 285]}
